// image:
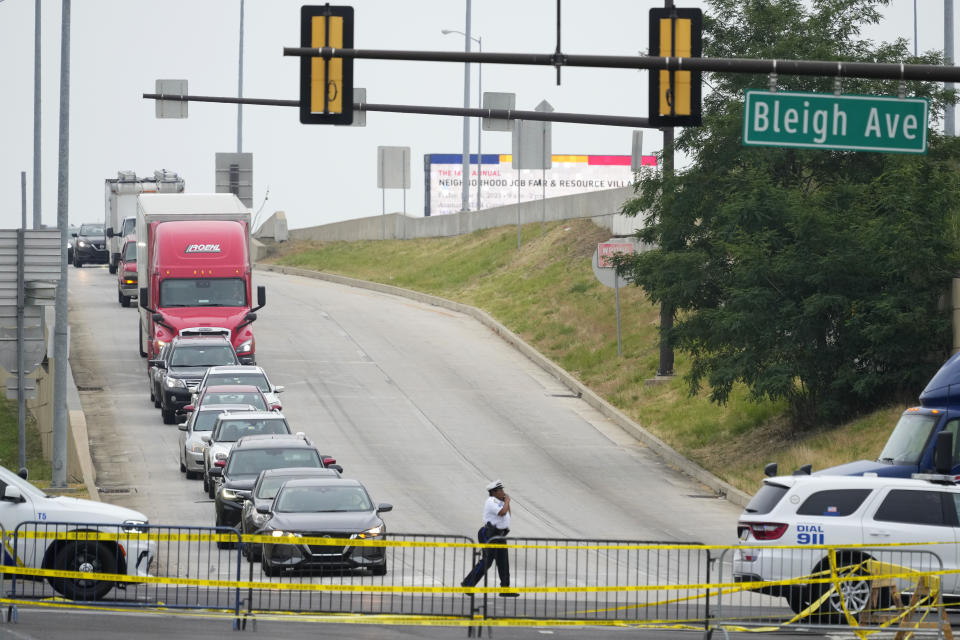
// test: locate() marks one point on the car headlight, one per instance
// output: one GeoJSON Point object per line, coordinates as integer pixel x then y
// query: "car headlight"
{"type": "Point", "coordinates": [130, 526]}
{"type": "Point", "coordinates": [372, 533]}
{"type": "Point", "coordinates": [260, 518]}
{"type": "Point", "coordinates": [245, 347]}
{"type": "Point", "coordinates": [81, 243]}
{"type": "Point", "coordinates": [197, 448]}
{"type": "Point", "coordinates": [285, 534]}
{"type": "Point", "coordinates": [234, 495]}
{"type": "Point", "coordinates": [174, 383]}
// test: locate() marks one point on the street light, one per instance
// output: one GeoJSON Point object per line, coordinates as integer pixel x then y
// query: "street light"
{"type": "Point", "coordinates": [479, 41]}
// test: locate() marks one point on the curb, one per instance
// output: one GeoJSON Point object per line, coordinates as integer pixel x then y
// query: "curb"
{"type": "Point", "coordinates": [77, 425]}
{"type": "Point", "coordinates": [665, 451]}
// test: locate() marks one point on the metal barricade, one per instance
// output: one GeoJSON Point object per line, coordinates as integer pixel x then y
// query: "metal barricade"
{"type": "Point", "coordinates": [408, 575]}
{"type": "Point", "coordinates": [890, 587]}
{"type": "Point", "coordinates": [154, 566]}
{"type": "Point", "coordinates": [603, 581]}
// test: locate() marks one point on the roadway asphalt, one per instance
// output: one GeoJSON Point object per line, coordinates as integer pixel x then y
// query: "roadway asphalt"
{"type": "Point", "coordinates": [423, 405]}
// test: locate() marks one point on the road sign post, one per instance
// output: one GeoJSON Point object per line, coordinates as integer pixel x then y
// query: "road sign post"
{"type": "Point", "coordinates": [608, 276]}
{"type": "Point", "coordinates": [826, 121]}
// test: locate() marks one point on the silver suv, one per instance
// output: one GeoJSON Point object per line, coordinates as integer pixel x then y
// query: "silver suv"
{"type": "Point", "coordinates": [229, 428]}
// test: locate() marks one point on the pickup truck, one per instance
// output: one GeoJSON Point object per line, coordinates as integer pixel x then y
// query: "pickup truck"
{"type": "Point", "coordinates": [910, 448]}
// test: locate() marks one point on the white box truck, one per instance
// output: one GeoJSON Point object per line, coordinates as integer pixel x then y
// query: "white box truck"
{"type": "Point", "coordinates": [121, 204]}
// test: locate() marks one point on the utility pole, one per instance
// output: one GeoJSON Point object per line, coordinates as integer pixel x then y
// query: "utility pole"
{"type": "Point", "coordinates": [60, 355]}
{"type": "Point", "coordinates": [948, 113]}
{"type": "Point", "coordinates": [665, 367]}
{"type": "Point", "coordinates": [465, 166]}
{"type": "Point", "coordinates": [36, 115]}
{"type": "Point", "coordinates": [240, 87]}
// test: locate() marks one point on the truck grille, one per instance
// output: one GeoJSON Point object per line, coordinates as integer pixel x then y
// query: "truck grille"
{"type": "Point", "coordinates": [206, 331]}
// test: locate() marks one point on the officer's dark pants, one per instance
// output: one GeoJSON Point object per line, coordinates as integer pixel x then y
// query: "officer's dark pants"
{"type": "Point", "coordinates": [490, 556]}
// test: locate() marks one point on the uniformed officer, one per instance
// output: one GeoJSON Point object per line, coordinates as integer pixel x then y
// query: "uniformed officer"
{"type": "Point", "coordinates": [496, 524]}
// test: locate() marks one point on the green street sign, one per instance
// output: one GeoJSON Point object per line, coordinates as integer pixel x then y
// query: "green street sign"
{"type": "Point", "coordinates": [827, 121]}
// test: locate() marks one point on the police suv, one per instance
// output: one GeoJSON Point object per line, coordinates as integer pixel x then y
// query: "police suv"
{"type": "Point", "coordinates": [38, 530]}
{"type": "Point", "coordinates": [782, 526]}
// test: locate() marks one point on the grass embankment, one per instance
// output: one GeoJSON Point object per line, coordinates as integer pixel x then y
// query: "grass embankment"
{"type": "Point", "coordinates": [546, 292]}
{"type": "Point", "coordinates": [38, 467]}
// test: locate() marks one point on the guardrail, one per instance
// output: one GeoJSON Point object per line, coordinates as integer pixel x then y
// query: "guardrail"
{"type": "Point", "coordinates": [404, 578]}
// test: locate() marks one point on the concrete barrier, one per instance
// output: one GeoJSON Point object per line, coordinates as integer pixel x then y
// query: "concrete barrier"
{"type": "Point", "coordinates": [665, 451]}
{"type": "Point", "coordinates": [601, 206]}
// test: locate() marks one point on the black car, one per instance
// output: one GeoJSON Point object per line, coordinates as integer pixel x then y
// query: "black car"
{"type": "Point", "coordinates": [256, 509]}
{"type": "Point", "coordinates": [323, 508]}
{"type": "Point", "coordinates": [90, 245]}
{"type": "Point", "coordinates": [247, 459]}
{"type": "Point", "coordinates": [186, 360]}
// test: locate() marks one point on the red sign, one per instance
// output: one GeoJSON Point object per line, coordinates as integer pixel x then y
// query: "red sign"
{"type": "Point", "coordinates": [607, 249]}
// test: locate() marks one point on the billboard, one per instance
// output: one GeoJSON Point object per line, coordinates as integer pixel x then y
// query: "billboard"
{"type": "Point", "coordinates": [570, 174]}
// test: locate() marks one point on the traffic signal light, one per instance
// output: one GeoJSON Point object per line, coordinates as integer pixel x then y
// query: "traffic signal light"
{"type": "Point", "coordinates": [675, 95]}
{"type": "Point", "coordinates": [326, 86]}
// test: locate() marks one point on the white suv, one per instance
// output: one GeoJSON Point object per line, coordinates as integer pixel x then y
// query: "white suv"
{"type": "Point", "coordinates": [38, 519]}
{"type": "Point", "coordinates": [807, 511]}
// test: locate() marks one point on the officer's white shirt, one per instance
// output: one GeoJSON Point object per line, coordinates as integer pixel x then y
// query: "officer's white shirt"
{"type": "Point", "coordinates": [491, 509]}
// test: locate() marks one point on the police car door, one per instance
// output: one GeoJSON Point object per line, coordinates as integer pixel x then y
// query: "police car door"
{"type": "Point", "coordinates": [915, 517]}
{"type": "Point", "coordinates": [16, 506]}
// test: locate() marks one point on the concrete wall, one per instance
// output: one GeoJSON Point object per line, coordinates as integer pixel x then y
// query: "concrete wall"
{"type": "Point", "coordinates": [601, 206]}
{"type": "Point", "coordinates": [79, 462]}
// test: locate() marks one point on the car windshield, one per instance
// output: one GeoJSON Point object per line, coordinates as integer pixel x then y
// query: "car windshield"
{"type": "Point", "coordinates": [9, 477]}
{"type": "Point", "coordinates": [203, 292]}
{"type": "Point", "coordinates": [130, 252]}
{"type": "Point", "coordinates": [252, 398]}
{"type": "Point", "coordinates": [233, 430]}
{"type": "Point", "coordinates": [203, 356]}
{"type": "Point", "coordinates": [91, 230]}
{"type": "Point", "coordinates": [909, 439]}
{"type": "Point", "coordinates": [253, 461]}
{"type": "Point", "coordinates": [314, 499]}
{"type": "Point", "coordinates": [129, 226]}
{"type": "Point", "coordinates": [205, 420]}
{"type": "Point", "coordinates": [255, 379]}
{"type": "Point", "coordinates": [270, 485]}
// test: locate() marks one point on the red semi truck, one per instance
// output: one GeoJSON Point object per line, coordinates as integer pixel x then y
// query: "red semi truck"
{"type": "Point", "coordinates": [194, 270]}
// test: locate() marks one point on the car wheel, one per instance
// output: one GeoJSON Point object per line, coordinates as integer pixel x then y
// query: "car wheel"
{"type": "Point", "coordinates": [77, 262]}
{"type": "Point", "coordinates": [193, 475]}
{"type": "Point", "coordinates": [853, 594]}
{"type": "Point", "coordinates": [168, 415]}
{"type": "Point", "coordinates": [88, 557]}
{"type": "Point", "coordinates": [143, 354]}
{"type": "Point", "coordinates": [124, 300]}
{"type": "Point", "coordinates": [222, 544]}
{"type": "Point", "coordinates": [156, 401]}
{"type": "Point", "coordinates": [211, 489]}
{"type": "Point", "coordinates": [379, 570]}
{"type": "Point", "coordinates": [113, 267]}
{"type": "Point", "coordinates": [183, 467]}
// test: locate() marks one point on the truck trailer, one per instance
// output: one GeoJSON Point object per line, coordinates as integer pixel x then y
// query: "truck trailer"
{"type": "Point", "coordinates": [194, 270]}
{"type": "Point", "coordinates": [120, 205]}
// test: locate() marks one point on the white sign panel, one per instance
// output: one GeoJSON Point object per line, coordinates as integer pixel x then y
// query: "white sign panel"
{"type": "Point", "coordinates": [569, 174]}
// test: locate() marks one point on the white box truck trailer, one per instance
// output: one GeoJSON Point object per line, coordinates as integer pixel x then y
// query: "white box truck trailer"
{"type": "Point", "coordinates": [120, 207]}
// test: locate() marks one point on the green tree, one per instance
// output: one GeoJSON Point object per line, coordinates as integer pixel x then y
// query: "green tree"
{"type": "Point", "coordinates": [812, 276]}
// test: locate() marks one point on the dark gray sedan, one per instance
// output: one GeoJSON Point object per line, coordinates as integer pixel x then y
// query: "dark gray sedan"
{"type": "Point", "coordinates": [256, 509]}
{"type": "Point", "coordinates": [323, 507]}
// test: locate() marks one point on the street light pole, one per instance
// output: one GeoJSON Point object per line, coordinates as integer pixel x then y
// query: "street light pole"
{"type": "Point", "coordinates": [479, 42]}
{"type": "Point", "coordinates": [240, 87]}
{"type": "Point", "coordinates": [465, 166]}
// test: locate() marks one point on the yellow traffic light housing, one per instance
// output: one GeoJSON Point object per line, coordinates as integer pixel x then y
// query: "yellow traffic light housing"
{"type": "Point", "coordinates": [675, 94]}
{"type": "Point", "coordinates": [326, 86]}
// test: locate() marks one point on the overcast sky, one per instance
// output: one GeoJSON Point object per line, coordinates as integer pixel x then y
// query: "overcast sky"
{"type": "Point", "coordinates": [316, 174]}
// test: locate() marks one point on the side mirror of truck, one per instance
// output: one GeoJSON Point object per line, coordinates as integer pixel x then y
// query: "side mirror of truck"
{"type": "Point", "coordinates": [251, 317]}
{"type": "Point", "coordinates": [157, 317]}
{"type": "Point", "coordinates": [109, 232]}
{"type": "Point", "coordinates": [943, 453]}
{"type": "Point", "coordinates": [261, 295]}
